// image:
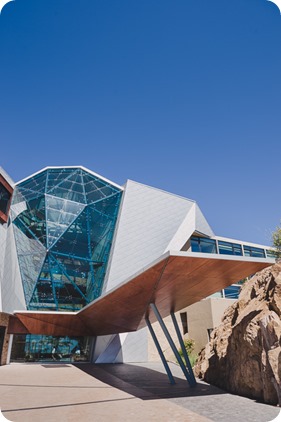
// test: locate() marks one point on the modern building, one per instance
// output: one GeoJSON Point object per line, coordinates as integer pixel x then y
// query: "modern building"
{"type": "Point", "coordinates": [86, 264]}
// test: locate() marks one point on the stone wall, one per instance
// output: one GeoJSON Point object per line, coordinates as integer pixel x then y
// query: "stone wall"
{"type": "Point", "coordinates": [4, 319]}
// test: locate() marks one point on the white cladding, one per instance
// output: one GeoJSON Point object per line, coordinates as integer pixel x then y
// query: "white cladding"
{"type": "Point", "coordinates": [2, 254]}
{"type": "Point", "coordinates": [201, 223]}
{"type": "Point", "coordinates": [11, 289]}
{"type": "Point", "coordinates": [11, 284]}
{"type": "Point", "coordinates": [151, 222]}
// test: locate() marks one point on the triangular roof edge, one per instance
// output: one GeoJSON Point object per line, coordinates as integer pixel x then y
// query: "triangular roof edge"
{"type": "Point", "coordinates": [72, 167]}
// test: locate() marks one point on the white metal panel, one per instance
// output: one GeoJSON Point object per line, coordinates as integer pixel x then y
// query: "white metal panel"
{"type": "Point", "coordinates": [110, 353]}
{"type": "Point", "coordinates": [3, 246]}
{"type": "Point", "coordinates": [202, 224]}
{"type": "Point", "coordinates": [2, 255]}
{"type": "Point", "coordinates": [149, 219]}
{"type": "Point", "coordinates": [12, 290]}
{"type": "Point", "coordinates": [135, 347]}
{"type": "Point", "coordinates": [185, 230]}
{"type": "Point", "coordinates": [120, 348]}
{"type": "Point", "coordinates": [194, 221]}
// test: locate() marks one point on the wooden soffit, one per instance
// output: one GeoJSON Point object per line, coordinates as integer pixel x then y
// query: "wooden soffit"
{"type": "Point", "coordinates": [173, 282]}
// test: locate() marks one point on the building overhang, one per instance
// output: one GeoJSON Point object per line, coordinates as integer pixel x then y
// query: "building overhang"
{"type": "Point", "coordinates": [174, 281]}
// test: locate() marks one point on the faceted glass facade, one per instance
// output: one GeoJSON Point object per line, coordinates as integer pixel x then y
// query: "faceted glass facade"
{"type": "Point", "coordinates": [64, 221]}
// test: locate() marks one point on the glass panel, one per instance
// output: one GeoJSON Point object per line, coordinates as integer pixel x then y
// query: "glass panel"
{"type": "Point", "coordinates": [247, 251]}
{"type": "Point", "coordinates": [36, 348]}
{"type": "Point", "coordinates": [32, 221]}
{"type": "Point", "coordinates": [97, 189]}
{"type": "Point", "coordinates": [31, 255]}
{"type": "Point", "coordinates": [255, 252]}
{"type": "Point", "coordinates": [61, 285]}
{"type": "Point", "coordinates": [60, 214]}
{"type": "Point", "coordinates": [27, 194]}
{"type": "Point", "coordinates": [4, 199]}
{"type": "Point", "coordinates": [71, 188]}
{"type": "Point", "coordinates": [195, 245]}
{"type": "Point", "coordinates": [17, 197]}
{"type": "Point", "coordinates": [58, 176]}
{"type": "Point", "coordinates": [75, 240]}
{"type": "Point", "coordinates": [70, 270]}
{"type": "Point", "coordinates": [202, 244]}
{"type": "Point", "coordinates": [270, 253]}
{"type": "Point", "coordinates": [232, 292]}
{"type": "Point", "coordinates": [227, 248]}
{"type": "Point", "coordinates": [89, 235]}
{"type": "Point", "coordinates": [36, 183]}
{"type": "Point", "coordinates": [184, 323]}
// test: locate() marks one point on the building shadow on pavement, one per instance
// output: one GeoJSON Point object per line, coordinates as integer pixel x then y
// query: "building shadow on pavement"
{"type": "Point", "coordinates": [146, 383]}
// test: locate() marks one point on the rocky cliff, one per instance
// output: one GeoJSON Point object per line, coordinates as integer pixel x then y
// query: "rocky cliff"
{"type": "Point", "coordinates": [244, 353]}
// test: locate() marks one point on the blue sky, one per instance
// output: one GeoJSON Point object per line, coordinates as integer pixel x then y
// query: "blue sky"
{"type": "Point", "coordinates": [184, 95]}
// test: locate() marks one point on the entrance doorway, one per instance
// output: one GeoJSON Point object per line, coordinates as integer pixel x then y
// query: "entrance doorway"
{"type": "Point", "coordinates": [2, 336]}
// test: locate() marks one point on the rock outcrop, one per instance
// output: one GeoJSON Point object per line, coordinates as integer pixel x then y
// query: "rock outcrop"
{"type": "Point", "coordinates": [244, 353]}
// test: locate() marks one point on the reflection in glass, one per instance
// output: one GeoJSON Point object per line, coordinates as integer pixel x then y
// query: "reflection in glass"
{"type": "Point", "coordinates": [63, 236]}
{"type": "Point", "coordinates": [202, 244]}
{"type": "Point", "coordinates": [270, 253]}
{"type": "Point", "coordinates": [36, 348]}
{"type": "Point", "coordinates": [256, 252]}
{"type": "Point", "coordinates": [5, 196]}
{"type": "Point", "coordinates": [227, 248]}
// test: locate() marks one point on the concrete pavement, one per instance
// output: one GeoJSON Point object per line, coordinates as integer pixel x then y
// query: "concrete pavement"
{"type": "Point", "coordinates": [120, 392]}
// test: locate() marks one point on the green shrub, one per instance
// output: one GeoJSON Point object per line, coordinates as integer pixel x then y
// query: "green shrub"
{"type": "Point", "coordinates": [189, 345]}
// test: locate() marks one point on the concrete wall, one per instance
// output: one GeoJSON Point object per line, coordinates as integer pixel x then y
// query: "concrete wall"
{"type": "Point", "coordinates": [153, 354]}
{"type": "Point", "coordinates": [204, 315]}
{"type": "Point", "coordinates": [201, 316]}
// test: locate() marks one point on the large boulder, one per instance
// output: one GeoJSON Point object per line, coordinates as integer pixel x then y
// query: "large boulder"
{"type": "Point", "coordinates": [244, 352]}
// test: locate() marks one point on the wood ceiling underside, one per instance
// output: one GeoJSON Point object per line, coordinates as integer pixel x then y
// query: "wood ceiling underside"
{"type": "Point", "coordinates": [172, 284]}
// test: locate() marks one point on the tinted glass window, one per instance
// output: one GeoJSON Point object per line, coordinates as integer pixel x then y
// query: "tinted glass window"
{"type": "Point", "coordinates": [232, 292]}
{"type": "Point", "coordinates": [4, 199]}
{"type": "Point", "coordinates": [256, 252]}
{"type": "Point", "coordinates": [202, 244]}
{"type": "Point", "coordinates": [228, 248]}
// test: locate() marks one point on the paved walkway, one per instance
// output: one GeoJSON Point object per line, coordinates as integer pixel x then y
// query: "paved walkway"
{"type": "Point", "coordinates": [127, 393]}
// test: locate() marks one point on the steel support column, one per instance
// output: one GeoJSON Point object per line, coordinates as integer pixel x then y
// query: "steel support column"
{"type": "Point", "coordinates": [185, 355]}
{"type": "Point", "coordinates": [161, 354]}
{"type": "Point", "coordinates": [171, 343]}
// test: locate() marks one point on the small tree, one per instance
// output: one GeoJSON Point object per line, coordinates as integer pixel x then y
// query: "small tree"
{"type": "Point", "coordinates": [276, 241]}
